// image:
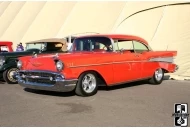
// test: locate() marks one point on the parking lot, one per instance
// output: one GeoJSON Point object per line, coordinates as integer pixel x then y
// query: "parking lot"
{"type": "Point", "coordinates": [133, 104]}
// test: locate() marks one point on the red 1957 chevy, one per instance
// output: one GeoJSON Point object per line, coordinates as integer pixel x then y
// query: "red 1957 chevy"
{"type": "Point", "coordinates": [96, 60]}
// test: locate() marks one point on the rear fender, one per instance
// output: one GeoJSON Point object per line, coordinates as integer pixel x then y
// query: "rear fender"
{"type": "Point", "coordinates": [168, 67]}
{"type": "Point", "coordinates": [162, 59]}
{"type": "Point", "coordinates": [159, 55]}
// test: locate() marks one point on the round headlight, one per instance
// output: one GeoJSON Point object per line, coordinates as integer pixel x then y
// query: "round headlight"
{"type": "Point", "coordinates": [19, 64]}
{"type": "Point", "coordinates": [59, 65]}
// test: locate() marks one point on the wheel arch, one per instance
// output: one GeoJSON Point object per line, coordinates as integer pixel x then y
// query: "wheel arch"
{"type": "Point", "coordinates": [9, 65]}
{"type": "Point", "coordinates": [165, 70]}
{"type": "Point", "coordinates": [100, 79]}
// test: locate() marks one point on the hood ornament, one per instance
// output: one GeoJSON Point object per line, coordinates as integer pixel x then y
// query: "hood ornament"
{"type": "Point", "coordinates": [34, 55]}
{"type": "Point", "coordinates": [56, 56]}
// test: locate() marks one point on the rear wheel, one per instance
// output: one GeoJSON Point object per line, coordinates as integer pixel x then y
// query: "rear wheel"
{"type": "Point", "coordinates": [87, 84]}
{"type": "Point", "coordinates": [8, 75]}
{"type": "Point", "coordinates": [157, 77]}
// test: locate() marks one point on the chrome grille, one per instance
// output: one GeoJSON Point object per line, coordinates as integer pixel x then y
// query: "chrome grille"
{"type": "Point", "coordinates": [41, 74]}
{"type": "Point", "coordinates": [38, 77]}
{"type": "Point", "coordinates": [41, 81]}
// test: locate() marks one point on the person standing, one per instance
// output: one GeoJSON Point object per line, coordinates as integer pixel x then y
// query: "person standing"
{"type": "Point", "coordinates": [20, 47]}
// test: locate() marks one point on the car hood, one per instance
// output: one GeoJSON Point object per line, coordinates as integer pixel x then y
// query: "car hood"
{"type": "Point", "coordinates": [13, 54]}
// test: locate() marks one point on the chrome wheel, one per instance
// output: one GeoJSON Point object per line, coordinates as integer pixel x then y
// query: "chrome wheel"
{"type": "Point", "coordinates": [159, 74]}
{"type": "Point", "coordinates": [10, 74]}
{"type": "Point", "coordinates": [89, 83]}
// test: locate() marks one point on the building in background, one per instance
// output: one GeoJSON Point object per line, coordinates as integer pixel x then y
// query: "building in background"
{"type": "Point", "coordinates": [165, 25]}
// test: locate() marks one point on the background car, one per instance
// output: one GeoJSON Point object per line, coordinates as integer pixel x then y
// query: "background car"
{"type": "Point", "coordinates": [6, 46]}
{"type": "Point", "coordinates": [8, 65]}
{"type": "Point", "coordinates": [95, 60]}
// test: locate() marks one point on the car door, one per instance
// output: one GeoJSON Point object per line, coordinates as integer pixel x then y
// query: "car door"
{"type": "Point", "coordinates": [126, 63]}
{"type": "Point", "coordinates": [146, 67]}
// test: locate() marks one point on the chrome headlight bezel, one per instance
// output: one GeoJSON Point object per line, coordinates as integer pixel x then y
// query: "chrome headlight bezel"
{"type": "Point", "coordinates": [19, 64]}
{"type": "Point", "coordinates": [2, 60]}
{"type": "Point", "coordinates": [59, 65]}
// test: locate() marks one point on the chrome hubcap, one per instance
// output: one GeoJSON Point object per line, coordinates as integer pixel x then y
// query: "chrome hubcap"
{"type": "Point", "coordinates": [158, 74]}
{"type": "Point", "coordinates": [89, 83]}
{"type": "Point", "coordinates": [10, 75]}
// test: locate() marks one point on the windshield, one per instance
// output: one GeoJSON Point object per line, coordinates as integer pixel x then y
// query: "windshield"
{"type": "Point", "coordinates": [50, 46]}
{"type": "Point", "coordinates": [92, 44]}
{"type": "Point", "coordinates": [39, 46]}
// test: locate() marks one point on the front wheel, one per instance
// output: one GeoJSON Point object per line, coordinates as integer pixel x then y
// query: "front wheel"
{"type": "Point", "coordinates": [8, 75]}
{"type": "Point", "coordinates": [157, 77]}
{"type": "Point", "coordinates": [87, 84]}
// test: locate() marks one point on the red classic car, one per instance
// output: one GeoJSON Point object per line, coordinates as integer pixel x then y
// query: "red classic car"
{"type": "Point", "coordinates": [96, 60]}
{"type": "Point", "coordinates": [6, 46]}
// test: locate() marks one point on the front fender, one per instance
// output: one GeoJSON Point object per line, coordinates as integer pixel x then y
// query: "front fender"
{"type": "Point", "coordinates": [9, 64]}
{"type": "Point", "coordinates": [106, 74]}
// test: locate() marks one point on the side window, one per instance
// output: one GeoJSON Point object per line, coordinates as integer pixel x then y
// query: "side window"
{"type": "Point", "coordinates": [140, 47]}
{"type": "Point", "coordinates": [125, 45]}
{"type": "Point", "coordinates": [99, 45]}
{"type": "Point", "coordinates": [4, 49]}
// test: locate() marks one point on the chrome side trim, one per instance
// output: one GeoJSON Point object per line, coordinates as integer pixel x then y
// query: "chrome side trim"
{"type": "Point", "coordinates": [89, 65]}
{"type": "Point", "coordinates": [106, 63]}
{"type": "Point", "coordinates": [129, 61]}
{"type": "Point", "coordinates": [163, 59]}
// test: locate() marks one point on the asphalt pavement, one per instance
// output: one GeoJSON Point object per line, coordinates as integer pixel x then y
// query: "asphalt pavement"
{"type": "Point", "coordinates": [133, 104]}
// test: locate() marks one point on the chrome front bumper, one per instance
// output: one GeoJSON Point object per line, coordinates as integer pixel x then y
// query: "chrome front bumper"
{"type": "Point", "coordinates": [45, 80]}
